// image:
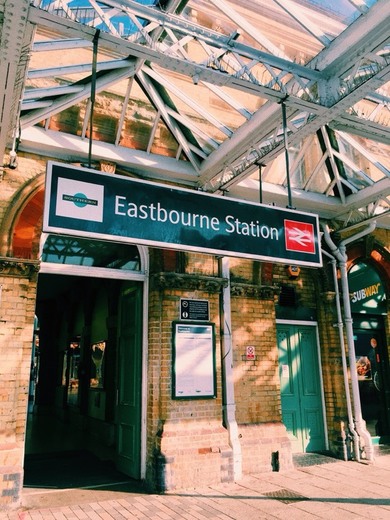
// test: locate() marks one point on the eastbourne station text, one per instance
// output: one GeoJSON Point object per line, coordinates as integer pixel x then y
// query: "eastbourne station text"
{"type": "Point", "coordinates": [157, 213]}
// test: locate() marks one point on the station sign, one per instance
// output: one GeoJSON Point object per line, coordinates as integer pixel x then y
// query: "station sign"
{"type": "Point", "coordinates": [87, 203]}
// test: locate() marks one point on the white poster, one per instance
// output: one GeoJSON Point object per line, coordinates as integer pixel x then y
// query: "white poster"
{"type": "Point", "coordinates": [194, 361]}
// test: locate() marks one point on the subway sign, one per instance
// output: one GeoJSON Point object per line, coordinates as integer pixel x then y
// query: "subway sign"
{"type": "Point", "coordinates": [366, 290]}
{"type": "Point", "coordinates": [87, 203]}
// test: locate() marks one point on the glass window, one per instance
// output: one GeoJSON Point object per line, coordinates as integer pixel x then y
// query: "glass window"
{"type": "Point", "coordinates": [90, 253]}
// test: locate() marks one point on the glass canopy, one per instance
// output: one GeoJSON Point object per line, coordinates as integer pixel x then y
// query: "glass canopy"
{"type": "Point", "coordinates": [248, 99]}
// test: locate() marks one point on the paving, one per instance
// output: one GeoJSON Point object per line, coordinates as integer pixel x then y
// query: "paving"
{"type": "Point", "coordinates": [321, 487]}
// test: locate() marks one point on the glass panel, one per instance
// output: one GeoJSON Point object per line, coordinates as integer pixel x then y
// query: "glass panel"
{"type": "Point", "coordinates": [86, 15]}
{"type": "Point", "coordinates": [380, 155]}
{"type": "Point", "coordinates": [90, 253]}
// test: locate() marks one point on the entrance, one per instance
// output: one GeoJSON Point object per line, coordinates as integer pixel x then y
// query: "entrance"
{"type": "Point", "coordinates": [88, 354]}
{"type": "Point", "coordinates": [300, 383]}
{"type": "Point", "coordinates": [369, 311]}
{"type": "Point", "coordinates": [372, 365]}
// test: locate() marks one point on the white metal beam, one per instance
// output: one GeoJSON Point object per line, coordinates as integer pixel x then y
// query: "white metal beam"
{"type": "Point", "coordinates": [16, 35]}
{"type": "Point", "coordinates": [64, 102]}
{"type": "Point", "coordinates": [366, 34]}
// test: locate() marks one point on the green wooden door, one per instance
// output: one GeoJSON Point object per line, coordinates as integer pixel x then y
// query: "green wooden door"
{"type": "Point", "coordinates": [302, 408]}
{"type": "Point", "coordinates": [129, 382]}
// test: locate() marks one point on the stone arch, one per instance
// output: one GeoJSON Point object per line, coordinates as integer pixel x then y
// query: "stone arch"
{"type": "Point", "coordinates": [25, 211]}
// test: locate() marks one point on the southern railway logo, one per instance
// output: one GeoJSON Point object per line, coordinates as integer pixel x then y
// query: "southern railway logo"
{"type": "Point", "coordinates": [80, 200]}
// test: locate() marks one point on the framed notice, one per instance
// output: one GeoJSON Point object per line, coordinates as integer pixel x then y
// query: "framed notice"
{"type": "Point", "coordinates": [193, 368]}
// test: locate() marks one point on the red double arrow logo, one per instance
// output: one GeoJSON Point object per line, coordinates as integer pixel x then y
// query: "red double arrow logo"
{"type": "Point", "coordinates": [299, 236]}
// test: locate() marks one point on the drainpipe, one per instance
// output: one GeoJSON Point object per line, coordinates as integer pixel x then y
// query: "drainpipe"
{"type": "Point", "coordinates": [229, 406]}
{"type": "Point", "coordinates": [340, 254]}
{"type": "Point", "coordinates": [340, 326]}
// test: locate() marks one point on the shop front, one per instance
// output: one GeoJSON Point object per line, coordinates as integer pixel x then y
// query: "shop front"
{"type": "Point", "coordinates": [369, 311]}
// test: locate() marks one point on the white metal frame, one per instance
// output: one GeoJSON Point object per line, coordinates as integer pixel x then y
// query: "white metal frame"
{"type": "Point", "coordinates": [326, 91]}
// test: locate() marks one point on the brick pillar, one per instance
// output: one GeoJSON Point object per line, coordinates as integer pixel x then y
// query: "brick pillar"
{"type": "Point", "coordinates": [17, 308]}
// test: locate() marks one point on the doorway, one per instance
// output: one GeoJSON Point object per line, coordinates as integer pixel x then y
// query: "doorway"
{"type": "Point", "coordinates": [372, 365]}
{"type": "Point", "coordinates": [369, 312]}
{"type": "Point", "coordinates": [301, 388]}
{"type": "Point", "coordinates": [89, 353]}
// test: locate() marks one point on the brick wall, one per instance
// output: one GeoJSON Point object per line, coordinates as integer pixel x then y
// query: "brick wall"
{"type": "Point", "coordinates": [17, 305]}
{"type": "Point", "coordinates": [257, 386]}
{"type": "Point", "coordinates": [187, 443]}
{"type": "Point", "coordinates": [186, 437]}
{"type": "Point", "coordinates": [18, 278]}
{"type": "Point", "coordinates": [263, 437]}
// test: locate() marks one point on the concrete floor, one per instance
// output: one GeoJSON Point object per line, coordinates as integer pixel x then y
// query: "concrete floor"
{"type": "Point", "coordinates": [323, 489]}
{"type": "Point", "coordinates": [72, 484]}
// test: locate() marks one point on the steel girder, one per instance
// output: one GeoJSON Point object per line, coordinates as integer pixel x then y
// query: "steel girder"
{"type": "Point", "coordinates": [350, 68]}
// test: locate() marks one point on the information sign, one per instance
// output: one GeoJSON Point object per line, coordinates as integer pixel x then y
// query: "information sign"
{"type": "Point", "coordinates": [193, 361]}
{"type": "Point", "coordinates": [195, 310]}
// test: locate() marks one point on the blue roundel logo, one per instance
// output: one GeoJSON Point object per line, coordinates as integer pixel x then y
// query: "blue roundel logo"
{"type": "Point", "coordinates": [80, 200]}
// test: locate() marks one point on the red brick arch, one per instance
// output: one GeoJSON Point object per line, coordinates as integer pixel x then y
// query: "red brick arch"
{"type": "Point", "coordinates": [22, 225]}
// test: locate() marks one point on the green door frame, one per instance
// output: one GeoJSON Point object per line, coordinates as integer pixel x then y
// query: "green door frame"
{"type": "Point", "coordinates": [129, 377]}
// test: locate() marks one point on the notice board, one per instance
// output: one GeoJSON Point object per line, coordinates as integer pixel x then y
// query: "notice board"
{"type": "Point", "coordinates": [193, 368]}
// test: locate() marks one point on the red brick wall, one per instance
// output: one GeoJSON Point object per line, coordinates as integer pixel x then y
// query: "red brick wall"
{"type": "Point", "coordinates": [17, 305]}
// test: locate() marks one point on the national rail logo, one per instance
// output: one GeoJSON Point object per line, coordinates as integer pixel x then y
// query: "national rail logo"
{"type": "Point", "coordinates": [299, 236]}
